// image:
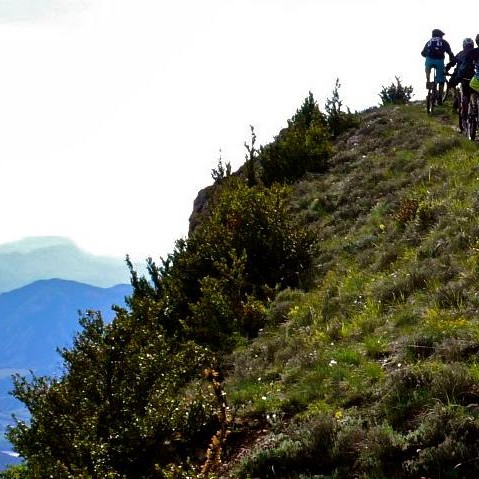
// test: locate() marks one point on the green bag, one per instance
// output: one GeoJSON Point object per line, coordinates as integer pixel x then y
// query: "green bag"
{"type": "Point", "coordinates": [474, 83]}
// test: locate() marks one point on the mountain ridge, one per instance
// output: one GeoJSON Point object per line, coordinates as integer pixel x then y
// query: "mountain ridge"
{"type": "Point", "coordinates": [368, 369]}
{"type": "Point", "coordinates": [55, 303]}
{"type": "Point", "coordinates": [30, 259]}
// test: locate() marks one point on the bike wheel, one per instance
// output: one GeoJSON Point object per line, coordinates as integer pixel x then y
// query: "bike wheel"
{"type": "Point", "coordinates": [430, 102]}
{"type": "Point", "coordinates": [461, 122]}
{"type": "Point", "coordinates": [472, 127]}
{"type": "Point", "coordinates": [445, 93]}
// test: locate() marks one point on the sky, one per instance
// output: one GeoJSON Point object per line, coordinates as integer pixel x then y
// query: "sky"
{"type": "Point", "coordinates": [114, 112]}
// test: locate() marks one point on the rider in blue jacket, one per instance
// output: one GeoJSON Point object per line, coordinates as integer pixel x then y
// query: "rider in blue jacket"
{"type": "Point", "coordinates": [435, 51]}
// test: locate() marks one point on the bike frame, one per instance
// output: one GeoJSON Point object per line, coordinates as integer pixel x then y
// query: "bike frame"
{"type": "Point", "coordinates": [433, 97]}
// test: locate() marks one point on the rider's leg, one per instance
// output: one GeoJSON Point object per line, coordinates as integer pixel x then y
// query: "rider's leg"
{"type": "Point", "coordinates": [428, 67]}
{"type": "Point", "coordinates": [455, 99]}
{"type": "Point", "coordinates": [440, 77]}
{"type": "Point", "coordinates": [428, 77]}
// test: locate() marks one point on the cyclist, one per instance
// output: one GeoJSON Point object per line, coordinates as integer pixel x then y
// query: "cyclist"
{"type": "Point", "coordinates": [471, 62]}
{"type": "Point", "coordinates": [462, 75]}
{"type": "Point", "coordinates": [434, 51]}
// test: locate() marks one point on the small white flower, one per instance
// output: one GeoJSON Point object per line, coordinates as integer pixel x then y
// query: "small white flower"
{"type": "Point", "coordinates": [332, 362]}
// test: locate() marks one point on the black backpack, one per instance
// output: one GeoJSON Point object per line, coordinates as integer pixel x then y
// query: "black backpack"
{"type": "Point", "coordinates": [435, 48]}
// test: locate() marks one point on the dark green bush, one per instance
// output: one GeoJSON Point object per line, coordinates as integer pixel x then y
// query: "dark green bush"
{"type": "Point", "coordinates": [125, 403]}
{"type": "Point", "coordinates": [213, 284]}
{"type": "Point", "coordinates": [339, 121]}
{"type": "Point", "coordinates": [303, 146]}
{"type": "Point", "coordinates": [396, 93]}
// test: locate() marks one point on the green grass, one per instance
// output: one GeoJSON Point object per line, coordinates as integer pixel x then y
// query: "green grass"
{"type": "Point", "coordinates": [384, 347]}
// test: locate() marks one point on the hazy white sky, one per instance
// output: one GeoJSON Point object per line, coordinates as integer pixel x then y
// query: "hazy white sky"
{"type": "Point", "coordinates": [113, 112]}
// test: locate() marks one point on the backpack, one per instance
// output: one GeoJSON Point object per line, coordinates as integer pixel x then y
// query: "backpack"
{"type": "Point", "coordinates": [435, 48]}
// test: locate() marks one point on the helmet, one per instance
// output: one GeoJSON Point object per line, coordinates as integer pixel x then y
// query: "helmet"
{"type": "Point", "coordinates": [437, 33]}
{"type": "Point", "coordinates": [468, 44]}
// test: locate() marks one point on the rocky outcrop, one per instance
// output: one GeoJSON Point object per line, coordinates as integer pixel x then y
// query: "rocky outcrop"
{"type": "Point", "coordinates": [200, 205]}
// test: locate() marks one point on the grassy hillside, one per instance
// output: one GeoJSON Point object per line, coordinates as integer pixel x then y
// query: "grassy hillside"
{"type": "Point", "coordinates": [374, 372]}
{"type": "Point", "coordinates": [318, 325]}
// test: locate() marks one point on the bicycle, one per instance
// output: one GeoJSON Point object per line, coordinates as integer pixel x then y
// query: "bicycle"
{"type": "Point", "coordinates": [470, 126]}
{"type": "Point", "coordinates": [448, 91]}
{"type": "Point", "coordinates": [433, 96]}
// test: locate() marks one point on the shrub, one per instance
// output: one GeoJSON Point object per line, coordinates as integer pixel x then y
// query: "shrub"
{"type": "Point", "coordinates": [396, 93]}
{"type": "Point", "coordinates": [338, 120]}
{"type": "Point", "coordinates": [301, 147]}
{"type": "Point", "coordinates": [124, 404]}
{"type": "Point", "coordinates": [450, 444]}
{"type": "Point", "coordinates": [15, 472]}
{"type": "Point", "coordinates": [211, 287]}
{"type": "Point", "coordinates": [306, 449]}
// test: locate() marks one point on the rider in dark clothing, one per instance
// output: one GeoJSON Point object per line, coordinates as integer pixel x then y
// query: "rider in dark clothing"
{"type": "Point", "coordinates": [462, 74]}
{"type": "Point", "coordinates": [434, 51]}
{"type": "Point", "coordinates": [463, 70]}
{"type": "Point", "coordinates": [470, 66]}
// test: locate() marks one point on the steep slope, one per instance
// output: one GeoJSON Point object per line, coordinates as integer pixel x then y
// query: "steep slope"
{"type": "Point", "coordinates": [373, 372]}
{"type": "Point", "coordinates": [370, 370]}
{"type": "Point", "coordinates": [31, 259]}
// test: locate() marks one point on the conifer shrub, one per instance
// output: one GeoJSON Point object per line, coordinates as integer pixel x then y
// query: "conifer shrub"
{"type": "Point", "coordinates": [396, 93]}
{"type": "Point", "coordinates": [338, 120]}
{"type": "Point", "coordinates": [303, 146]}
{"type": "Point", "coordinates": [218, 281]}
{"type": "Point", "coordinates": [129, 400]}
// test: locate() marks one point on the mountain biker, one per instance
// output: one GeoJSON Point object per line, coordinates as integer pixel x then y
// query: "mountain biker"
{"type": "Point", "coordinates": [462, 75]}
{"type": "Point", "coordinates": [434, 51]}
{"type": "Point", "coordinates": [471, 62]}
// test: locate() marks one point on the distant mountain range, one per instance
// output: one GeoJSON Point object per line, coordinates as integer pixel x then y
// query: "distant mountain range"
{"type": "Point", "coordinates": [39, 317]}
{"type": "Point", "coordinates": [7, 459]}
{"type": "Point", "coordinates": [28, 260]}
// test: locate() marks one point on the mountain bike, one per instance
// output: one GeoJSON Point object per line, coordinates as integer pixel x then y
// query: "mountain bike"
{"type": "Point", "coordinates": [470, 125]}
{"type": "Point", "coordinates": [433, 96]}
{"type": "Point", "coordinates": [449, 91]}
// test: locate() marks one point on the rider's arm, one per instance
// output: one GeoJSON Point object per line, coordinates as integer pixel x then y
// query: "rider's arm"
{"type": "Point", "coordinates": [451, 64]}
{"type": "Point", "coordinates": [449, 52]}
{"type": "Point", "coordinates": [424, 51]}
